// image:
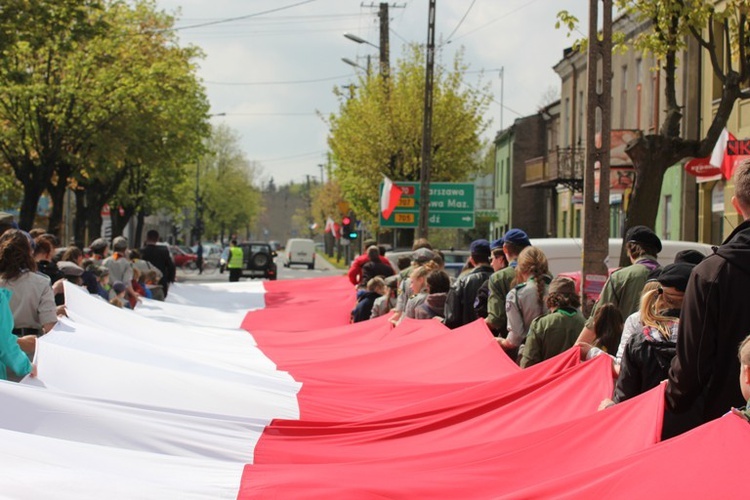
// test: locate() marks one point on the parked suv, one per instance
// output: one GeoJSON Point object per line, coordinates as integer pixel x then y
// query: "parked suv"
{"type": "Point", "coordinates": [258, 260]}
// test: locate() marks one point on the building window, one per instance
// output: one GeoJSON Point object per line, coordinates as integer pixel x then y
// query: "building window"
{"type": "Point", "coordinates": [667, 214]}
{"type": "Point", "coordinates": [564, 227]}
{"type": "Point", "coordinates": [577, 233]}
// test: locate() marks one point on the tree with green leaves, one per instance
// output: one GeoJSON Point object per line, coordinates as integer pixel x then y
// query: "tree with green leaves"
{"type": "Point", "coordinates": [725, 37]}
{"type": "Point", "coordinates": [230, 199]}
{"type": "Point", "coordinates": [378, 130]}
{"type": "Point", "coordinates": [95, 90]}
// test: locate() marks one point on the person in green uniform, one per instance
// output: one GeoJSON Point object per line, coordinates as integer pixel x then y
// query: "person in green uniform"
{"type": "Point", "coordinates": [553, 333]}
{"type": "Point", "coordinates": [235, 263]}
{"type": "Point", "coordinates": [513, 242]}
{"type": "Point", "coordinates": [624, 286]}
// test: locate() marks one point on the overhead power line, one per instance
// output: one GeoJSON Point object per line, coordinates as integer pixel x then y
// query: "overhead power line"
{"type": "Point", "coordinates": [238, 18]}
{"type": "Point", "coordinates": [447, 40]}
{"type": "Point", "coordinates": [283, 82]}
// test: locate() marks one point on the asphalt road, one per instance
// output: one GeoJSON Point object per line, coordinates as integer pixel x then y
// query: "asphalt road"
{"type": "Point", "coordinates": [322, 268]}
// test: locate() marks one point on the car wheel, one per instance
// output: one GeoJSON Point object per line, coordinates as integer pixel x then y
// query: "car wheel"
{"type": "Point", "coordinates": [311, 266]}
{"type": "Point", "coordinates": [260, 260]}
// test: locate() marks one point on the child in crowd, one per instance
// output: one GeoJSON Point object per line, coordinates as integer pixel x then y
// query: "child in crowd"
{"type": "Point", "coordinates": [102, 280]}
{"type": "Point", "coordinates": [117, 295]}
{"type": "Point", "coordinates": [557, 331]}
{"type": "Point", "coordinates": [418, 281]}
{"type": "Point", "coordinates": [608, 324]}
{"type": "Point", "coordinates": [375, 288]}
{"type": "Point", "coordinates": [385, 303]}
{"type": "Point", "coordinates": [151, 279]}
{"type": "Point", "coordinates": [139, 285]}
{"type": "Point", "coordinates": [438, 284]}
{"type": "Point", "coordinates": [744, 355]}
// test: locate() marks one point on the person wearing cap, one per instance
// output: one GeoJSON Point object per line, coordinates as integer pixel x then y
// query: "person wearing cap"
{"type": "Point", "coordinates": [514, 241]}
{"type": "Point", "coordinates": [459, 306]}
{"type": "Point", "coordinates": [498, 262]}
{"type": "Point", "coordinates": [120, 268]}
{"type": "Point", "coordinates": [553, 333]}
{"type": "Point", "coordinates": [623, 287]}
{"type": "Point", "coordinates": [7, 221]}
{"type": "Point", "coordinates": [32, 301]}
{"type": "Point", "coordinates": [99, 249]}
{"type": "Point", "coordinates": [715, 319]}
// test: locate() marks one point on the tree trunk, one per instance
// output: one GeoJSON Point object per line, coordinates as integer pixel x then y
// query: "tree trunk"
{"type": "Point", "coordinates": [79, 222]}
{"type": "Point", "coordinates": [31, 194]}
{"type": "Point", "coordinates": [57, 194]}
{"type": "Point", "coordinates": [140, 220]}
{"type": "Point", "coordinates": [93, 214]}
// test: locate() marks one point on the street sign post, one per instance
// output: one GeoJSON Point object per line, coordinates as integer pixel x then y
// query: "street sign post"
{"type": "Point", "coordinates": [451, 206]}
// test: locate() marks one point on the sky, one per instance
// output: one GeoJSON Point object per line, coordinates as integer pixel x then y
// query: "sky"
{"type": "Point", "coordinates": [271, 73]}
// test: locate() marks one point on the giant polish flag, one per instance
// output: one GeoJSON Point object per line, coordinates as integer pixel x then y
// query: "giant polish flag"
{"type": "Point", "coordinates": [389, 197]}
{"type": "Point", "coordinates": [174, 400]}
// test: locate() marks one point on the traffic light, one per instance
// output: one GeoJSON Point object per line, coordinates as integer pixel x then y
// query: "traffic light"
{"type": "Point", "coordinates": [348, 229]}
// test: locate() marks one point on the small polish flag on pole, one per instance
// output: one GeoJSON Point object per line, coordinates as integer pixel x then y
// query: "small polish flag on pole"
{"type": "Point", "coordinates": [389, 197]}
{"type": "Point", "coordinates": [720, 158]}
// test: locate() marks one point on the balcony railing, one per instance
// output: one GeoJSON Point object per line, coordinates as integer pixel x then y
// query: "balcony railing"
{"type": "Point", "coordinates": [560, 166]}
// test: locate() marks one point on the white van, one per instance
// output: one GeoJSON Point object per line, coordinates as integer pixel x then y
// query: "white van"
{"type": "Point", "coordinates": [299, 251]}
{"type": "Point", "coordinates": [565, 254]}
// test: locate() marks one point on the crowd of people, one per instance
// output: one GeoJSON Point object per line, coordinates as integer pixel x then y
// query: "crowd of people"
{"type": "Point", "coordinates": [33, 270]}
{"type": "Point", "coordinates": [682, 323]}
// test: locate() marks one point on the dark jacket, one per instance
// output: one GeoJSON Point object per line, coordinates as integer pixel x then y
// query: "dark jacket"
{"type": "Point", "coordinates": [372, 269]}
{"type": "Point", "coordinates": [433, 305]}
{"type": "Point", "coordinates": [159, 256]}
{"type": "Point", "coordinates": [715, 319]}
{"type": "Point", "coordinates": [645, 363]}
{"type": "Point", "coordinates": [363, 309]}
{"type": "Point", "coordinates": [459, 306]}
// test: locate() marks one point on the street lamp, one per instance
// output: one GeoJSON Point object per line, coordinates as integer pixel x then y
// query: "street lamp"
{"type": "Point", "coordinates": [355, 38]}
{"type": "Point", "coordinates": [355, 65]}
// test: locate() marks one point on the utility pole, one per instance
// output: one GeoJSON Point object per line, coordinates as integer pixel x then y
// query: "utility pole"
{"type": "Point", "coordinates": [385, 63]}
{"type": "Point", "coordinates": [424, 174]}
{"type": "Point", "coordinates": [596, 202]}
{"type": "Point", "coordinates": [309, 208]}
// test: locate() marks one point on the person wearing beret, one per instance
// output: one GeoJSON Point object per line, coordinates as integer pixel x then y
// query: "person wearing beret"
{"type": "Point", "coordinates": [623, 287]}
{"type": "Point", "coordinates": [459, 306]}
{"type": "Point", "coordinates": [513, 242]}
{"type": "Point", "coordinates": [715, 319]}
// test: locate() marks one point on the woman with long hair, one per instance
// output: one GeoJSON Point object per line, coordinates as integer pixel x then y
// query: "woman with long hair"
{"type": "Point", "coordinates": [526, 300]}
{"type": "Point", "coordinates": [32, 301]}
{"type": "Point", "coordinates": [648, 354]}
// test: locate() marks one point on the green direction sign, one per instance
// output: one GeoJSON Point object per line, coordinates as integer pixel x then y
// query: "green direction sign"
{"type": "Point", "coordinates": [451, 206]}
